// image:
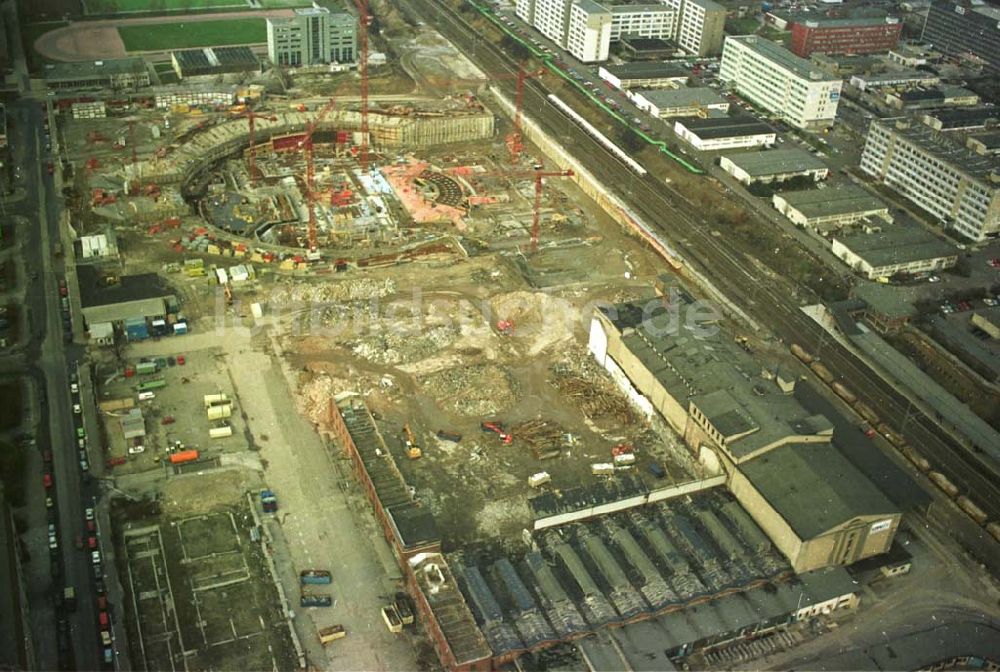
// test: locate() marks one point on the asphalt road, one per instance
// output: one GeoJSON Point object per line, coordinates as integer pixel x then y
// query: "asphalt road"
{"type": "Point", "coordinates": [44, 358]}
{"type": "Point", "coordinates": [771, 299]}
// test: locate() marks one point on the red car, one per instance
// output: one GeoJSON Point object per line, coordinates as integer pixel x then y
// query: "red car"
{"type": "Point", "coordinates": [102, 602]}
{"type": "Point", "coordinates": [90, 526]}
{"type": "Point", "coordinates": [50, 168]}
{"type": "Point", "coordinates": [92, 542]}
{"type": "Point", "coordinates": [47, 481]}
{"type": "Point", "coordinates": [102, 618]}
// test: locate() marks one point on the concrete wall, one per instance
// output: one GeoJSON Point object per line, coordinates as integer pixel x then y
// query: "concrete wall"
{"type": "Point", "coordinates": [775, 527]}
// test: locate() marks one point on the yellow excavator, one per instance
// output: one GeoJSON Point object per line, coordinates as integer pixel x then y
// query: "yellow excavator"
{"type": "Point", "coordinates": [412, 449]}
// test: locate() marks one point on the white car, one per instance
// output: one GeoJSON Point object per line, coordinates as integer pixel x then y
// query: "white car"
{"type": "Point", "coordinates": [76, 409]}
{"type": "Point", "coordinates": [88, 513]}
{"type": "Point", "coordinates": [136, 450]}
{"type": "Point", "coordinates": [53, 541]}
{"type": "Point", "coordinates": [95, 557]}
{"type": "Point", "coordinates": [74, 388]}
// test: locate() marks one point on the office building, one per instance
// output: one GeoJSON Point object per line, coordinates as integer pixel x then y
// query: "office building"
{"type": "Point", "coordinates": [844, 36]}
{"type": "Point", "coordinates": [117, 74]}
{"type": "Point", "coordinates": [893, 249]}
{"type": "Point", "coordinates": [313, 36]}
{"type": "Point", "coordinates": [954, 184]}
{"type": "Point", "coordinates": [776, 165]}
{"type": "Point", "coordinates": [714, 134]}
{"type": "Point", "coordinates": [779, 81]}
{"type": "Point", "coordinates": [664, 103]}
{"type": "Point", "coordinates": [962, 28]}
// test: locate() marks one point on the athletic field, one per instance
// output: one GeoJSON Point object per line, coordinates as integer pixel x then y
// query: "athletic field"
{"type": "Point", "coordinates": [193, 34]}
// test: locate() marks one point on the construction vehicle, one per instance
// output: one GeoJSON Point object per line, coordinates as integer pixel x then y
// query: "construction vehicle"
{"type": "Point", "coordinates": [497, 428]}
{"type": "Point", "coordinates": [268, 501]}
{"type": "Point", "coordinates": [403, 608]}
{"type": "Point", "coordinates": [505, 327]}
{"type": "Point", "coordinates": [412, 449]}
{"type": "Point", "coordinates": [445, 435]}
{"type": "Point", "coordinates": [315, 577]}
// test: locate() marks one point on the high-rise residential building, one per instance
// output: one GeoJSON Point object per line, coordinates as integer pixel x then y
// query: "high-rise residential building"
{"type": "Point", "coordinates": [779, 81]}
{"type": "Point", "coordinates": [844, 36]}
{"type": "Point", "coordinates": [587, 28]}
{"type": "Point", "coordinates": [956, 185]}
{"type": "Point", "coordinates": [961, 28]}
{"type": "Point", "coordinates": [313, 36]}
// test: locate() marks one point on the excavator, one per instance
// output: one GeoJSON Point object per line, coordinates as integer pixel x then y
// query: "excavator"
{"type": "Point", "coordinates": [412, 449]}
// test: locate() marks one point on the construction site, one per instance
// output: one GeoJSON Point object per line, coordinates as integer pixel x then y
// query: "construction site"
{"type": "Point", "coordinates": [317, 320]}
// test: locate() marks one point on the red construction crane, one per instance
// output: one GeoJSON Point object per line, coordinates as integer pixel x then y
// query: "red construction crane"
{"type": "Point", "coordinates": [515, 141]}
{"type": "Point", "coordinates": [537, 176]}
{"type": "Point", "coordinates": [363, 21]}
{"type": "Point", "coordinates": [307, 145]}
{"type": "Point", "coordinates": [252, 152]}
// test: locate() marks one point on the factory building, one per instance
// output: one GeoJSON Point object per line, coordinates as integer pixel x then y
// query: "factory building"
{"type": "Point", "coordinates": [893, 249]}
{"type": "Point", "coordinates": [116, 299]}
{"type": "Point", "coordinates": [214, 61]}
{"type": "Point", "coordinates": [951, 182]}
{"type": "Point", "coordinates": [117, 74]}
{"type": "Point", "coordinates": [816, 507]}
{"type": "Point", "coordinates": [665, 103]}
{"type": "Point", "coordinates": [826, 210]}
{"type": "Point", "coordinates": [714, 134]}
{"type": "Point", "coordinates": [313, 36]}
{"type": "Point", "coordinates": [776, 165]}
{"type": "Point", "coordinates": [959, 28]}
{"type": "Point", "coordinates": [844, 36]}
{"type": "Point", "coordinates": [779, 81]}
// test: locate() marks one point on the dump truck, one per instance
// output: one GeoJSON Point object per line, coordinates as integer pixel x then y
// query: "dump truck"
{"type": "Point", "coordinates": [403, 608]}
{"type": "Point", "coordinates": [268, 501]}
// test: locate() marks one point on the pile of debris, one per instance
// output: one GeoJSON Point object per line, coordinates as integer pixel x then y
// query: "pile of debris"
{"type": "Point", "coordinates": [477, 390]}
{"type": "Point", "coordinates": [362, 289]}
{"type": "Point", "coordinates": [545, 438]}
{"type": "Point", "coordinates": [580, 379]}
{"type": "Point", "coordinates": [395, 346]}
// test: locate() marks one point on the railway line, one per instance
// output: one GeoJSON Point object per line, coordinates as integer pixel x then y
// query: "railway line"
{"type": "Point", "coordinates": [770, 300]}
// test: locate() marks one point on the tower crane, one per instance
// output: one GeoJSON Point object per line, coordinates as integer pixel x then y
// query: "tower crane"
{"type": "Point", "coordinates": [363, 22]}
{"type": "Point", "coordinates": [307, 146]}
{"type": "Point", "coordinates": [537, 176]}
{"type": "Point", "coordinates": [252, 152]}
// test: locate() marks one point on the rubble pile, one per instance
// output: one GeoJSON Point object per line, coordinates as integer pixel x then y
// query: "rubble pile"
{"type": "Point", "coordinates": [580, 379]}
{"type": "Point", "coordinates": [479, 390]}
{"type": "Point", "coordinates": [394, 346]}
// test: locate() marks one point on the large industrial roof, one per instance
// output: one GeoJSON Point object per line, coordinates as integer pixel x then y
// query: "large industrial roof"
{"type": "Point", "coordinates": [686, 97]}
{"type": "Point", "coordinates": [836, 201]}
{"type": "Point", "coordinates": [783, 58]}
{"type": "Point", "coordinates": [897, 244]}
{"type": "Point", "coordinates": [95, 292]}
{"type": "Point", "coordinates": [724, 127]}
{"type": "Point", "coordinates": [75, 70]}
{"type": "Point", "coordinates": [651, 70]}
{"type": "Point", "coordinates": [814, 488]}
{"type": "Point", "coordinates": [217, 57]}
{"type": "Point", "coordinates": [776, 162]}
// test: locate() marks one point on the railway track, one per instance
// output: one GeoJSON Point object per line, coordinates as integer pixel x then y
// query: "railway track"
{"type": "Point", "coordinates": [769, 300]}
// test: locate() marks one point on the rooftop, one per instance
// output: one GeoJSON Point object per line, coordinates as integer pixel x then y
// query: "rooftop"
{"type": "Point", "coordinates": [897, 244]}
{"type": "Point", "coordinates": [627, 7]}
{"type": "Point", "coordinates": [725, 127]}
{"type": "Point", "coordinates": [94, 291]}
{"type": "Point", "coordinates": [963, 118]}
{"type": "Point", "coordinates": [217, 57]}
{"type": "Point", "coordinates": [686, 97]}
{"type": "Point", "coordinates": [91, 69]}
{"type": "Point", "coordinates": [944, 149]}
{"type": "Point", "coordinates": [813, 21]}
{"type": "Point", "coordinates": [708, 5]}
{"type": "Point", "coordinates": [783, 58]}
{"type": "Point", "coordinates": [776, 162]}
{"type": "Point", "coordinates": [814, 488]}
{"type": "Point", "coordinates": [833, 201]}
{"type": "Point", "coordinates": [652, 70]}
{"type": "Point", "coordinates": [716, 375]}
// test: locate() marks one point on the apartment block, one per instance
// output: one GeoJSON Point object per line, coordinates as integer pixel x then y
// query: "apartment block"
{"type": "Point", "coordinates": [313, 36]}
{"type": "Point", "coordinates": [701, 27]}
{"type": "Point", "coordinates": [652, 21]}
{"type": "Point", "coordinates": [779, 81]}
{"type": "Point", "coordinates": [958, 28]}
{"type": "Point", "coordinates": [844, 36]}
{"type": "Point", "coordinates": [588, 37]}
{"type": "Point", "coordinates": [958, 186]}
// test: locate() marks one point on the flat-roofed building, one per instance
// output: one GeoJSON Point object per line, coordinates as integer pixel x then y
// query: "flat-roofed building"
{"type": "Point", "coordinates": [962, 27]}
{"type": "Point", "coordinates": [816, 507]}
{"type": "Point", "coordinates": [920, 98]}
{"type": "Point", "coordinates": [664, 103]}
{"type": "Point", "coordinates": [714, 134]}
{"type": "Point", "coordinates": [984, 143]}
{"type": "Point", "coordinates": [956, 185]}
{"type": "Point", "coordinates": [779, 81]}
{"type": "Point", "coordinates": [826, 210]}
{"type": "Point", "coordinates": [961, 119]}
{"type": "Point", "coordinates": [776, 165]}
{"type": "Point", "coordinates": [898, 78]}
{"type": "Point", "coordinates": [213, 61]}
{"type": "Point", "coordinates": [822, 35]}
{"type": "Point", "coordinates": [644, 75]}
{"type": "Point", "coordinates": [117, 74]}
{"type": "Point", "coordinates": [312, 36]}
{"type": "Point", "coordinates": [892, 249]}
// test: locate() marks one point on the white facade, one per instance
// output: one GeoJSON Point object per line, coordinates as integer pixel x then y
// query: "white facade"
{"type": "Point", "coordinates": [313, 36]}
{"type": "Point", "coordinates": [710, 144]}
{"type": "Point", "coordinates": [953, 184]}
{"type": "Point", "coordinates": [699, 27]}
{"type": "Point", "coordinates": [653, 21]}
{"type": "Point", "coordinates": [588, 35]}
{"type": "Point", "coordinates": [780, 82]}
{"type": "Point", "coordinates": [551, 18]}
{"type": "Point", "coordinates": [862, 264]}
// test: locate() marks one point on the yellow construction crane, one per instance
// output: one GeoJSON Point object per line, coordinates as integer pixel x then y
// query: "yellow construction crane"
{"type": "Point", "coordinates": [412, 449]}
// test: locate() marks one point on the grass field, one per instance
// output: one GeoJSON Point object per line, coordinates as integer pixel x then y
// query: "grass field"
{"type": "Point", "coordinates": [193, 34]}
{"type": "Point", "coordinates": [138, 6]}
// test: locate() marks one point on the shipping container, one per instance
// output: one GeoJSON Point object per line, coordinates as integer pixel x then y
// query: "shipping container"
{"type": "Point", "coordinates": [392, 619]}
{"type": "Point", "coordinates": [804, 356]}
{"type": "Point", "coordinates": [220, 432]}
{"type": "Point", "coordinates": [334, 632]}
{"type": "Point", "coordinates": [942, 482]}
{"type": "Point", "coordinates": [602, 469]}
{"type": "Point", "coordinates": [117, 405]}
{"type": "Point", "coordinates": [539, 479]}
{"type": "Point", "coordinates": [184, 456]}
{"type": "Point", "coordinates": [219, 412]}
{"type": "Point", "coordinates": [212, 399]}
{"type": "Point", "coordinates": [970, 507]}
{"type": "Point", "coordinates": [154, 384]}
{"type": "Point", "coordinates": [180, 328]}
{"type": "Point", "coordinates": [315, 577]}
{"type": "Point", "coordinates": [316, 601]}
{"type": "Point", "coordinates": [145, 368]}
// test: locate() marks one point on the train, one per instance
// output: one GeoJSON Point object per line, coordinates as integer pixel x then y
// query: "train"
{"type": "Point", "coordinates": [621, 154]}
{"type": "Point", "coordinates": [866, 412]}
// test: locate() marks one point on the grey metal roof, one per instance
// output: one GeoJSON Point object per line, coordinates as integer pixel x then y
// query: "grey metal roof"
{"type": "Point", "coordinates": [94, 292]}
{"type": "Point", "coordinates": [76, 70]}
{"type": "Point", "coordinates": [724, 127]}
{"type": "Point", "coordinates": [651, 70]}
{"type": "Point", "coordinates": [842, 200]}
{"type": "Point", "coordinates": [945, 149]}
{"type": "Point", "coordinates": [776, 162]}
{"type": "Point", "coordinates": [897, 244]}
{"type": "Point", "coordinates": [683, 97]}
{"type": "Point", "coordinates": [814, 488]}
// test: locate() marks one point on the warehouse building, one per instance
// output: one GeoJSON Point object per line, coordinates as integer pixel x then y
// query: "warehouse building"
{"type": "Point", "coordinates": [665, 103]}
{"type": "Point", "coordinates": [816, 507]}
{"type": "Point", "coordinates": [313, 36]}
{"type": "Point", "coordinates": [961, 120]}
{"type": "Point", "coordinates": [715, 134]}
{"type": "Point", "coordinates": [984, 144]}
{"type": "Point", "coordinates": [959, 28]}
{"type": "Point", "coordinates": [117, 74]}
{"type": "Point", "coordinates": [776, 165]}
{"type": "Point", "coordinates": [923, 98]}
{"type": "Point", "coordinates": [821, 35]}
{"type": "Point", "coordinates": [117, 299]}
{"type": "Point", "coordinates": [898, 78]}
{"type": "Point", "coordinates": [214, 61]}
{"type": "Point", "coordinates": [644, 75]}
{"type": "Point", "coordinates": [893, 249]}
{"type": "Point", "coordinates": [951, 182]}
{"type": "Point", "coordinates": [826, 210]}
